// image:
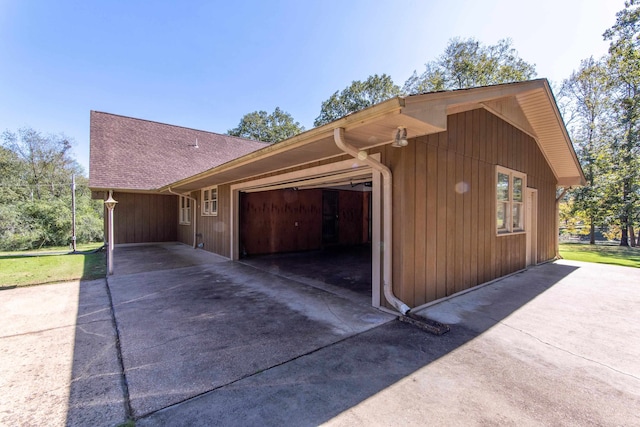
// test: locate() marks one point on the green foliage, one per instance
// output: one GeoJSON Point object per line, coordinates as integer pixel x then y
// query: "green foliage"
{"type": "Point", "coordinates": [468, 63]}
{"type": "Point", "coordinates": [357, 96]}
{"type": "Point", "coordinates": [602, 109]}
{"type": "Point", "coordinates": [587, 105]}
{"type": "Point", "coordinates": [265, 127]}
{"type": "Point", "coordinates": [35, 193]}
{"type": "Point", "coordinates": [624, 84]}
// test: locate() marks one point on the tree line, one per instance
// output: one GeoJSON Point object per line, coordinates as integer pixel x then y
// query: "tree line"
{"type": "Point", "coordinates": [600, 103]}
{"type": "Point", "coordinates": [36, 172]}
{"type": "Point", "coordinates": [601, 106]}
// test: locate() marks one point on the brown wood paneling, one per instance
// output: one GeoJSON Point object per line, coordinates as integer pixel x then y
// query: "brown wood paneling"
{"type": "Point", "coordinates": [455, 172]}
{"type": "Point", "coordinates": [431, 206]}
{"type": "Point", "coordinates": [468, 228]}
{"type": "Point", "coordinates": [268, 220]}
{"type": "Point", "coordinates": [134, 221]}
{"type": "Point", "coordinates": [442, 220]}
{"type": "Point", "coordinates": [366, 217]}
{"type": "Point", "coordinates": [350, 217]}
{"type": "Point", "coordinates": [420, 223]}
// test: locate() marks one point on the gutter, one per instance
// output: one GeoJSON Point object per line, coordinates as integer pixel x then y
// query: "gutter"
{"type": "Point", "coordinates": [195, 208]}
{"type": "Point", "coordinates": [338, 137]}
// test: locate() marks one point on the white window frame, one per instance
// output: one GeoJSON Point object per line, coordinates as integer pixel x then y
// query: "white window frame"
{"type": "Point", "coordinates": [209, 201]}
{"type": "Point", "coordinates": [184, 206]}
{"type": "Point", "coordinates": [511, 204]}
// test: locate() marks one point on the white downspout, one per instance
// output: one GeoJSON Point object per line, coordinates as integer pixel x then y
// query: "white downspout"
{"type": "Point", "coordinates": [338, 136]}
{"type": "Point", "coordinates": [193, 211]}
{"type": "Point", "coordinates": [557, 237]}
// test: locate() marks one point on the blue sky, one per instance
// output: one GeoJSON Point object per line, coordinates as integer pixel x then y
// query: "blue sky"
{"type": "Point", "coordinates": [204, 64]}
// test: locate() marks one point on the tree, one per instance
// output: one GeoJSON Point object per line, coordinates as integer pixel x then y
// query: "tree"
{"type": "Point", "coordinates": [468, 63]}
{"type": "Point", "coordinates": [265, 127]}
{"type": "Point", "coordinates": [35, 195]}
{"type": "Point", "coordinates": [586, 106]}
{"type": "Point", "coordinates": [624, 81]}
{"type": "Point", "coordinates": [47, 158]}
{"type": "Point", "coordinates": [357, 96]}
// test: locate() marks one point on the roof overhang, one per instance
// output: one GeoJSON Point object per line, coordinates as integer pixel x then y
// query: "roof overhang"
{"type": "Point", "coordinates": [530, 106]}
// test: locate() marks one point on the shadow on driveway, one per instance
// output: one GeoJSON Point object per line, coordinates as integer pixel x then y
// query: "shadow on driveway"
{"type": "Point", "coordinates": [224, 343]}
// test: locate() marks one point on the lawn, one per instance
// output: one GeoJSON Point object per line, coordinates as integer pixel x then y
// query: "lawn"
{"type": "Point", "coordinates": [25, 269]}
{"type": "Point", "coordinates": [603, 254]}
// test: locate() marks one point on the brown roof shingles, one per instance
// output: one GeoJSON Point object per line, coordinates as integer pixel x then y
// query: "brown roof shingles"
{"type": "Point", "coordinates": [136, 154]}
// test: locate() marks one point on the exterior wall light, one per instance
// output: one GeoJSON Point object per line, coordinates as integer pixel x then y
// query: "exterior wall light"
{"type": "Point", "coordinates": [400, 139]}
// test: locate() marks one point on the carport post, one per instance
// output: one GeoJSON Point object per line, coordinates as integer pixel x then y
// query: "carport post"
{"type": "Point", "coordinates": [110, 203]}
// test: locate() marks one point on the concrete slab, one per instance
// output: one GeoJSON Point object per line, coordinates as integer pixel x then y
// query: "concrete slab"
{"type": "Point", "coordinates": [58, 358]}
{"type": "Point", "coordinates": [131, 259]}
{"type": "Point", "coordinates": [344, 271]}
{"type": "Point", "coordinates": [550, 346]}
{"type": "Point", "coordinates": [191, 330]}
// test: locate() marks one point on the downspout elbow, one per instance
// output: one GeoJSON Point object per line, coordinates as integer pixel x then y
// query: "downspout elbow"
{"type": "Point", "coordinates": [338, 136]}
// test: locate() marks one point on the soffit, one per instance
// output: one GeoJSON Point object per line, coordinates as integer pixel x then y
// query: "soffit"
{"type": "Point", "coordinates": [528, 105]}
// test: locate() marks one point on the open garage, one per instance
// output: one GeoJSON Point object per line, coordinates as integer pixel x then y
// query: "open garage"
{"type": "Point", "coordinates": [314, 227]}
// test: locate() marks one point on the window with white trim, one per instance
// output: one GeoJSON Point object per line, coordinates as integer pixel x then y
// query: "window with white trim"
{"type": "Point", "coordinates": [510, 187]}
{"type": "Point", "coordinates": [185, 210]}
{"type": "Point", "coordinates": [209, 201]}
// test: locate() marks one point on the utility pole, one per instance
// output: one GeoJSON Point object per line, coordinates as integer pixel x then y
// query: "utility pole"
{"type": "Point", "coordinates": [73, 212]}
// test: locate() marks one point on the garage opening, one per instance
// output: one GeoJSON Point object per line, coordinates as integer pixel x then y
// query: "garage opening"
{"type": "Point", "coordinates": [322, 235]}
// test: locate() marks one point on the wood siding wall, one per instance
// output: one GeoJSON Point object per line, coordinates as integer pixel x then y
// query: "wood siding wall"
{"type": "Point", "coordinates": [213, 232]}
{"type": "Point", "coordinates": [144, 218]}
{"type": "Point", "coordinates": [444, 206]}
{"type": "Point", "coordinates": [268, 220]}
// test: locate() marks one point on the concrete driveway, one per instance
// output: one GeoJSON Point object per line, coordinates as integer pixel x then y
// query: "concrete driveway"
{"type": "Point", "coordinates": [205, 341]}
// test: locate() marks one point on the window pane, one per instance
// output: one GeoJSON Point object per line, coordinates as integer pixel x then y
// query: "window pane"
{"type": "Point", "coordinates": [517, 189]}
{"type": "Point", "coordinates": [205, 208]}
{"type": "Point", "coordinates": [214, 206]}
{"type": "Point", "coordinates": [517, 216]}
{"type": "Point", "coordinates": [503, 186]}
{"type": "Point", "coordinates": [206, 195]}
{"type": "Point", "coordinates": [501, 216]}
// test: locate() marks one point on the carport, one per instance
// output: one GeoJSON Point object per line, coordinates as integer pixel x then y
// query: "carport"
{"type": "Point", "coordinates": [191, 321]}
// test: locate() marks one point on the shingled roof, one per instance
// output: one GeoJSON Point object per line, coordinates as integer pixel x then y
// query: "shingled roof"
{"type": "Point", "coordinates": [135, 154]}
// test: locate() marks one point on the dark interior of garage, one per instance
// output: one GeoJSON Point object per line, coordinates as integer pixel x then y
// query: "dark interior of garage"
{"type": "Point", "coordinates": [322, 234]}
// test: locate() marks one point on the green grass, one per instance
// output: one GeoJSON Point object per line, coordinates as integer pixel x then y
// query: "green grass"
{"type": "Point", "coordinates": [80, 247]}
{"type": "Point", "coordinates": [603, 254]}
{"type": "Point", "coordinates": [16, 269]}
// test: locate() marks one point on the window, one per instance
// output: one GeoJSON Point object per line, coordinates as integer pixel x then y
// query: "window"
{"type": "Point", "coordinates": [510, 187]}
{"type": "Point", "coordinates": [185, 210]}
{"type": "Point", "coordinates": [210, 201]}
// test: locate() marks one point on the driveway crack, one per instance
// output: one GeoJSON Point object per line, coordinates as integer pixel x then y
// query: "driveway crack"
{"type": "Point", "coordinates": [568, 351]}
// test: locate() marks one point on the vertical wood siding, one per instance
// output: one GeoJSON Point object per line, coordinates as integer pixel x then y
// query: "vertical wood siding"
{"type": "Point", "coordinates": [144, 218]}
{"type": "Point", "coordinates": [268, 220]}
{"type": "Point", "coordinates": [213, 232]}
{"type": "Point", "coordinates": [444, 206]}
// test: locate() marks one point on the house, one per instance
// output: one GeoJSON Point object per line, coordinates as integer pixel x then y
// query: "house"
{"type": "Point", "coordinates": [452, 189]}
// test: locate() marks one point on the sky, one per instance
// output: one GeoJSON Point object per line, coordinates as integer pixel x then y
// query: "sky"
{"type": "Point", "coordinates": [204, 64]}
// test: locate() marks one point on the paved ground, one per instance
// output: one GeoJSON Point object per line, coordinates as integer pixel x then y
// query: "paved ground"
{"type": "Point", "coordinates": [58, 357]}
{"type": "Point", "coordinates": [213, 342]}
